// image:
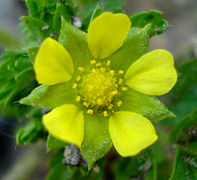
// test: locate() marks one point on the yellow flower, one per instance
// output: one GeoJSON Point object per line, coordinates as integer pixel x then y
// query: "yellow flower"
{"type": "Point", "coordinates": [99, 88]}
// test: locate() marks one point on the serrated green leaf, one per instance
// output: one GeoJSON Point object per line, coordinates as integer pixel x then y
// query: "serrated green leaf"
{"type": "Point", "coordinates": [54, 144]}
{"type": "Point", "coordinates": [16, 75]}
{"type": "Point", "coordinates": [39, 28]}
{"type": "Point", "coordinates": [185, 130]}
{"type": "Point", "coordinates": [32, 132]}
{"type": "Point", "coordinates": [50, 96]}
{"type": "Point", "coordinates": [75, 41]}
{"type": "Point", "coordinates": [145, 105]}
{"type": "Point", "coordinates": [153, 17]}
{"type": "Point", "coordinates": [185, 166]}
{"type": "Point", "coordinates": [97, 141]}
{"type": "Point", "coordinates": [136, 44]}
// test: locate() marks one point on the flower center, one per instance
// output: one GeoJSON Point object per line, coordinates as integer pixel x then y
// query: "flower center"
{"type": "Point", "coordinates": [99, 87]}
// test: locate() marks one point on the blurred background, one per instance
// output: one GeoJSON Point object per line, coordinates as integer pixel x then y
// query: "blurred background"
{"type": "Point", "coordinates": [180, 39]}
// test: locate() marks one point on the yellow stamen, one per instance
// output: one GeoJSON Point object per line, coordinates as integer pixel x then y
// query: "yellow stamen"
{"type": "Point", "coordinates": [81, 69]}
{"type": "Point", "coordinates": [93, 61]}
{"type": "Point", "coordinates": [105, 114]}
{"type": "Point", "coordinates": [98, 64]}
{"type": "Point", "coordinates": [74, 86]}
{"type": "Point", "coordinates": [108, 63]}
{"type": "Point", "coordinates": [93, 70]}
{"type": "Point", "coordinates": [112, 72]}
{"type": "Point", "coordinates": [120, 81]}
{"type": "Point", "coordinates": [119, 103]}
{"type": "Point", "coordinates": [78, 98]}
{"type": "Point", "coordinates": [78, 78]}
{"type": "Point", "coordinates": [121, 72]}
{"type": "Point", "coordinates": [110, 106]}
{"type": "Point", "coordinates": [114, 92]}
{"type": "Point", "coordinates": [90, 111]}
{"type": "Point", "coordinates": [85, 104]}
{"type": "Point", "coordinates": [124, 88]}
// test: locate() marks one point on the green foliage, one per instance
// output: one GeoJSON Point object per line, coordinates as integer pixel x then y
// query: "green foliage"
{"type": "Point", "coordinates": [185, 166]}
{"type": "Point", "coordinates": [186, 130]}
{"type": "Point", "coordinates": [33, 131]}
{"type": "Point", "coordinates": [16, 75]}
{"type": "Point", "coordinates": [183, 99]}
{"type": "Point", "coordinates": [154, 18]}
{"type": "Point", "coordinates": [45, 17]}
{"type": "Point", "coordinates": [54, 144]}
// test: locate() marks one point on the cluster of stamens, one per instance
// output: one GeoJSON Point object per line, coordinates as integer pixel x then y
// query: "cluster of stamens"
{"type": "Point", "coordinates": [98, 88]}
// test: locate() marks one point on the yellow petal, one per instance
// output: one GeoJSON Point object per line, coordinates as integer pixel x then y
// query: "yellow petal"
{"type": "Point", "coordinates": [53, 63]}
{"type": "Point", "coordinates": [66, 123]}
{"type": "Point", "coordinates": [130, 132]}
{"type": "Point", "coordinates": [153, 73]}
{"type": "Point", "coordinates": [107, 33]}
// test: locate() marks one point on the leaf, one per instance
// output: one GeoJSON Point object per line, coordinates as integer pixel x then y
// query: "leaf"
{"type": "Point", "coordinates": [187, 80]}
{"type": "Point", "coordinates": [153, 17]}
{"type": "Point", "coordinates": [97, 141]}
{"type": "Point", "coordinates": [16, 75]}
{"type": "Point", "coordinates": [184, 94]}
{"type": "Point", "coordinates": [136, 44]}
{"type": "Point", "coordinates": [151, 174]}
{"type": "Point", "coordinates": [185, 130]}
{"type": "Point", "coordinates": [50, 96]}
{"type": "Point", "coordinates": [32, 132]}
{"type": "Point", "coordinates": [185, 166]}
{"type": "Point", "coordinates": [75, 42]}
{"type": "Point", "coordinates": [39, 28]}
{"type": "Point", "coordinates": [148, 106]}
{"type": "Point", "coordinates": [54, 144]}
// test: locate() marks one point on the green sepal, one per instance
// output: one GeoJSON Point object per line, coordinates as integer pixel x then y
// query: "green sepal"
{"type": "Point", "coordinates": [97, 141]}
{"type": "Point", "coordinates": [182, 132]}
{"type": "Point", "coordinates": [136, 44]}
{"type": "Point", "coordinates": [50, 96]}
{"type": "Point", "coordinates": [158, 24]}
{"type": "Point", "coordinates": [148, 106]}
{"type": "Point", "coordinates": [75, 42]}
{"type": "Point", "coordinates": [54, 144]}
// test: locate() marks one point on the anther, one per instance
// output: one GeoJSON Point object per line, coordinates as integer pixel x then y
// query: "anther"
{"type": "Point", "coordinates": [110, 106]}
{"type": "Point", "coordinates": [120, 81]}
{"type": "Point", "coordinates": [124, 88]}
{"type": "Point", "coordinates": [98, 64]}
{"type": "Point", "coordinates": [105, 114]}
{"type": "Point", "coordinates": [78, 98]}
{"type": "Point", "coordinates": [121, 72]}
{"type": "Point", "coordinates": [108, 63]}
{"type": "Point", "coordinates": [112, 72]}
{"type": "Point", "coordinates": [81, 69]}
{"type": "Point", "coordinates": [93, 61]}
{"type": "Point", "coordinates": [90, 111]}
{"type": "Point", "coordinates": [119, 103]}
{"type": "Point", "coordinates": [78, 78]}
{"type": "Point", "coordinates": [85, 104]}
{"type": "Point", "coordinates": [74, 86]}
{"type": "Point", "coordinates": [114, 92]}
